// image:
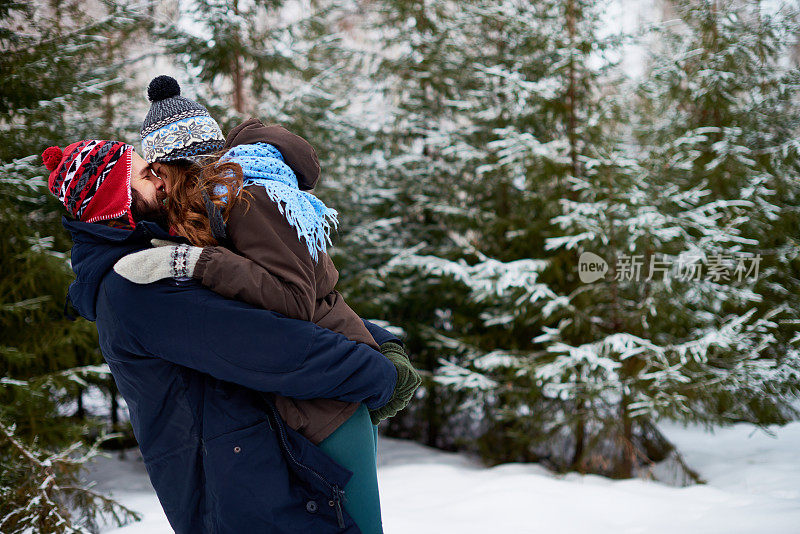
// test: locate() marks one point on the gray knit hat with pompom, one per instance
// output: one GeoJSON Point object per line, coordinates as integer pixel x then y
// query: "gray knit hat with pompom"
{"type": "Point", "coordinates": [175, 127]}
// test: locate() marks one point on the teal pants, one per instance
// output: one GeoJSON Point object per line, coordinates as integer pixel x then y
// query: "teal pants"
{"type": "Point", "coordinates": [354, 445]}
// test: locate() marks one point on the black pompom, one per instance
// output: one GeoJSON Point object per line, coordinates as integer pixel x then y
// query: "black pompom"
{"type": "Point", "coordinates": [163, 87]}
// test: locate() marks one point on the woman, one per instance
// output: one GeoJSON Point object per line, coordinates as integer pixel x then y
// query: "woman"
{"type": "Point", "coordinates": [253, 200]}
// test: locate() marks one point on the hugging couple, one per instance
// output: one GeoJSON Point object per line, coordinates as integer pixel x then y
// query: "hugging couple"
{"type": "Point", "coordinates": [254, 390]}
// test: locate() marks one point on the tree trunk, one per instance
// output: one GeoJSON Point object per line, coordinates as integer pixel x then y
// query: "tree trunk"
{"type": "Point", "coordinates": [238, 89]}
{"type": "Point", "coordinates": [571, 90]}
{"type": "Point", "coordinates": [628, 454]}
{"type": "Point", "coordinates": [431, 404]}
{"type": "Point", "coordinates": [80, 413]}
{"type": "Point", "coordinates": [108, 104]}
{"type": "Point", "coordinates": [580, 440]}
{"type": "Point", "coordinates": [114, 408]}
{"type": "Point", "coordinates": [236, 73]}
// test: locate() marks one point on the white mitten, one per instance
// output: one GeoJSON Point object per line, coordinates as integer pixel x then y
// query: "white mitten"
{"type": "Point", "coordinates": [166, 260]}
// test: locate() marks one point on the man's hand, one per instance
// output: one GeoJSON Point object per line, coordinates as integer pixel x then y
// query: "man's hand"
{"type": "Point", "coordinates": [166, 260]}
{"type": "Point", "coordinates": [408, 380]}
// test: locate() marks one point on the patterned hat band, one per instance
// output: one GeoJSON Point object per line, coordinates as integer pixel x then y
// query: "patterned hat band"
{"type": "Point", "coordinates": [184, 137]}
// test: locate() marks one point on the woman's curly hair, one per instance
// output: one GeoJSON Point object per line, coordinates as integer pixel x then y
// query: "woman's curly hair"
{"type": "Point", "coordinates": [186, 209]}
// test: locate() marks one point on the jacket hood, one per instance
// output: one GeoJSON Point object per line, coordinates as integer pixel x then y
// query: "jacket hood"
{"type": "Point", "coordinates": [95, 250]}
{"type": "Point", "coordinates": [298, 153]}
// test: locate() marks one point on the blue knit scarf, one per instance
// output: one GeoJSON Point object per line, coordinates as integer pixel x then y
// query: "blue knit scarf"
{"type": "Point", "coordinates": [263, 165]}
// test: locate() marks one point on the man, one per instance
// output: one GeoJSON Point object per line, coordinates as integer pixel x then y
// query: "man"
{"type": "Point", "coordinates": [198, 371]}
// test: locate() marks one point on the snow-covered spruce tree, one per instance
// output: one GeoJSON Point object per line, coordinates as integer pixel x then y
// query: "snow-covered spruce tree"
{"type": "Point", "coordinates": [545, 119]}
{"type": "Point", "coordinates": [646, 342]}
{"type": "Point", "coordinates": [721, 151]}
{"type": "Point", "coordinates": [57, 85]}
{"type": "Point", "coordinates": [539, 124]}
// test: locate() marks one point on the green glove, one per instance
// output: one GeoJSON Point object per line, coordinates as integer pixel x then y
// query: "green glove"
{"type": "Point", "coordinates": [408, 380]}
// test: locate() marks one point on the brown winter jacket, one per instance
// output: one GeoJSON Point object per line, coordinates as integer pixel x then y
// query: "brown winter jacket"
{"type": "Point", "coordinates": [271, 268]}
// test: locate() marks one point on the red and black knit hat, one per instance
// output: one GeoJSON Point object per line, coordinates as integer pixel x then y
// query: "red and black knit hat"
{"type": "Point", "coordinates": [92, 179]}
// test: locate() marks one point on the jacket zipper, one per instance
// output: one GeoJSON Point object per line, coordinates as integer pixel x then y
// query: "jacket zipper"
{"type": "Point", "coordinates": [337, 493]}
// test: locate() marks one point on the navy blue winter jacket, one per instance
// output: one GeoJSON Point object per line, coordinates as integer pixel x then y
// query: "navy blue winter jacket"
{"type": "Point", "coordinates": [198, 372]}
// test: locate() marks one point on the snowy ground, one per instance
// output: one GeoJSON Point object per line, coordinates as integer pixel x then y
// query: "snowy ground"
{"type": "Point", "coordinates": [753, 487]}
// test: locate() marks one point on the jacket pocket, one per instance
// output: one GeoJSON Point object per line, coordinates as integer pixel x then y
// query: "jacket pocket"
{"type": "Point", "coordinates": [240, 459]}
